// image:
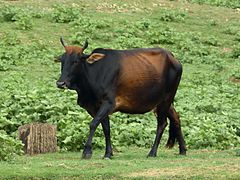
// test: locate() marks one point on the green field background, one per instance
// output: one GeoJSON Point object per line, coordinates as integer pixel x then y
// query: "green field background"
{"type": "Point", "coordinates": [204, 35]}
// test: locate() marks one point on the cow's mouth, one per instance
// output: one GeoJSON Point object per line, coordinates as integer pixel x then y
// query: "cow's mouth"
{"type": "Point", "coordinates": [61, 85]}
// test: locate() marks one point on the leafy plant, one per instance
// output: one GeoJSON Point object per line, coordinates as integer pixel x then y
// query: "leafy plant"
{"type": "Point", "coordinates": [236, 51]}
{"type": "Point", "coordinates": [225, 3]}
{"type": "Point", "coordinates": [212, 22]}
{"type": "Point", "coordinates": [237, 37]}
{"type": "Point", "coordinates": [173, 16]}
{"type": "Point", "coordinates": [10, 147]}
{"type": "Point", "coordinates": [65, 14]}
{"type": "Point", "coordinates": [238, 152]}
{"type": "Point", "coordinates": [231, 30]}
{"type": "Point", "coordinates": [9, 12]}
{"type": "Point", "coordinates": [23, 21]}
{"type": "Point", "coordinates": [211, 41]}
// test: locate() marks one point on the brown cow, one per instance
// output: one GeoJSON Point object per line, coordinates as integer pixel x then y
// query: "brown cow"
{"type": "Point", "coordinates": [130, 81]}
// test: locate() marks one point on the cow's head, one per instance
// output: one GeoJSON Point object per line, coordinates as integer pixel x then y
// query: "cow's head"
{"type": "Point", "coordinates": [71, 63]}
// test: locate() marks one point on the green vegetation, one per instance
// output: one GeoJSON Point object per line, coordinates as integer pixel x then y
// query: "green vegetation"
{"type": "Point", "coordinates": [224, 3]}
{"type": "Point", "coordinates": [9, 147]}
{"type": "Point", "coordinates": [205, 40]}
{"type": "Point", "coordinates": [128, 163]}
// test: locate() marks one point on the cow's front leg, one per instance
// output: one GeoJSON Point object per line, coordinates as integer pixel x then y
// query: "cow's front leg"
{"type": "Point", "coordinates": [101, 115]}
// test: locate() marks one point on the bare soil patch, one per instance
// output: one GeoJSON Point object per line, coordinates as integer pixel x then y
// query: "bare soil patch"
{"type": "Point", "coordinates": [186, 172]}
{"type": "Point", "coordinates": [234, 79]}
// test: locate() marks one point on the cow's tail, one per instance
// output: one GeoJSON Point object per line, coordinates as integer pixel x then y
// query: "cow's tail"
{"type": "Point", "coordinates": [176, 65]}
{"type": "Point", "coordinates": [175, 77]}
{"type": "Point", "coordinates": [175, 132]}
{"type": "Point", "coordinates": [173, 127]}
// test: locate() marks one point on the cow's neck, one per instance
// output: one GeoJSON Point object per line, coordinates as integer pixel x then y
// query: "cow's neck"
{"type": "Point", "coordinates": [84, 89]}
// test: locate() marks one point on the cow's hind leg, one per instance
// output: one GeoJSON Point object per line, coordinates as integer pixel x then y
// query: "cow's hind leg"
{"type": "Point", "coordinates": [175, 131]}
{"type": "Point", "coordinates": [106, 130]}
{"type": "Point", "coordinates": [172, 129]}
{"type": "Point", "coordinates": [161, 125]}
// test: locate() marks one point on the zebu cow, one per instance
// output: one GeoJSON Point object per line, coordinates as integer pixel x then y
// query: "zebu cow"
{"type": "Point", "coordinates": [130, 81]}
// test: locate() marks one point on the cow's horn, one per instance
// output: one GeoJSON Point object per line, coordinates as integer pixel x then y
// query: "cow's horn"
{"type": "Point", "coordinates": [85, 44]}
{"type": "Point", "coordinates": [62, 41]}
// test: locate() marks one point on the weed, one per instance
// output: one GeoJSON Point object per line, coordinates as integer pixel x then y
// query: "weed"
{"type": "Point", "coordinates": [237, 37]}
{"type": "Point", "coordinates": [173, 16]}
{"type": "Point", "coordinates": [65, 14]}
{"type": "Point", "coordinates": [236, 51]}
{"type": "Point", "coordinates": [10, 147]}
{"type": "Point", "coordinates": [23, 21]}
{"type": "Point", "coordinates": [8, 13]}
{"type": "Point", "coordinates": [232, 30]}
{"type": "Point", "coordinates": [238, 152]}
{"type": "Point", "coordinates": [224, 3]}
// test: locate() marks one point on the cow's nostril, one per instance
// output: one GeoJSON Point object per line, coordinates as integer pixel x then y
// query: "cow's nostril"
{"type": "Point", "coordinates": [60, 84]}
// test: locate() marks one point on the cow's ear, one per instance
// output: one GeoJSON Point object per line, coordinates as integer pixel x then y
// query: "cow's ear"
{"type": "Point", "coordinates": [95, 57]}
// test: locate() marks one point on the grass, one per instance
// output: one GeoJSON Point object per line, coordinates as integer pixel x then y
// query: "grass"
{"type": "Point", "coordinates": [199, 164]}
{"type": "Point", "coordinates": [129, 163]}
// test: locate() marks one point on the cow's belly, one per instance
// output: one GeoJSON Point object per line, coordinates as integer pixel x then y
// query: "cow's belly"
{"type": "Point", "coordinates": [139, 100]}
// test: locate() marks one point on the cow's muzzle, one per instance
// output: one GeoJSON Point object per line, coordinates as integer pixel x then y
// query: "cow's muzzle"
{"type": "Point", "coordinates": [61, 85]}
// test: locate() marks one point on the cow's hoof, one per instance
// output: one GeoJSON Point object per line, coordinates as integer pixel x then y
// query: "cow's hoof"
{"type": "Point", "coordinates": [86, 156]}
{"type": "Point", "coordinates": [108, 155]}
{"type": "Point", "coordinates": [151, 155]}
{"type": "Point", "coordinates": [184, 153]}
{"type": "Point", "coordinates": [106, 158]}
{"type": "Point", "coordinates": [170, 144]}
